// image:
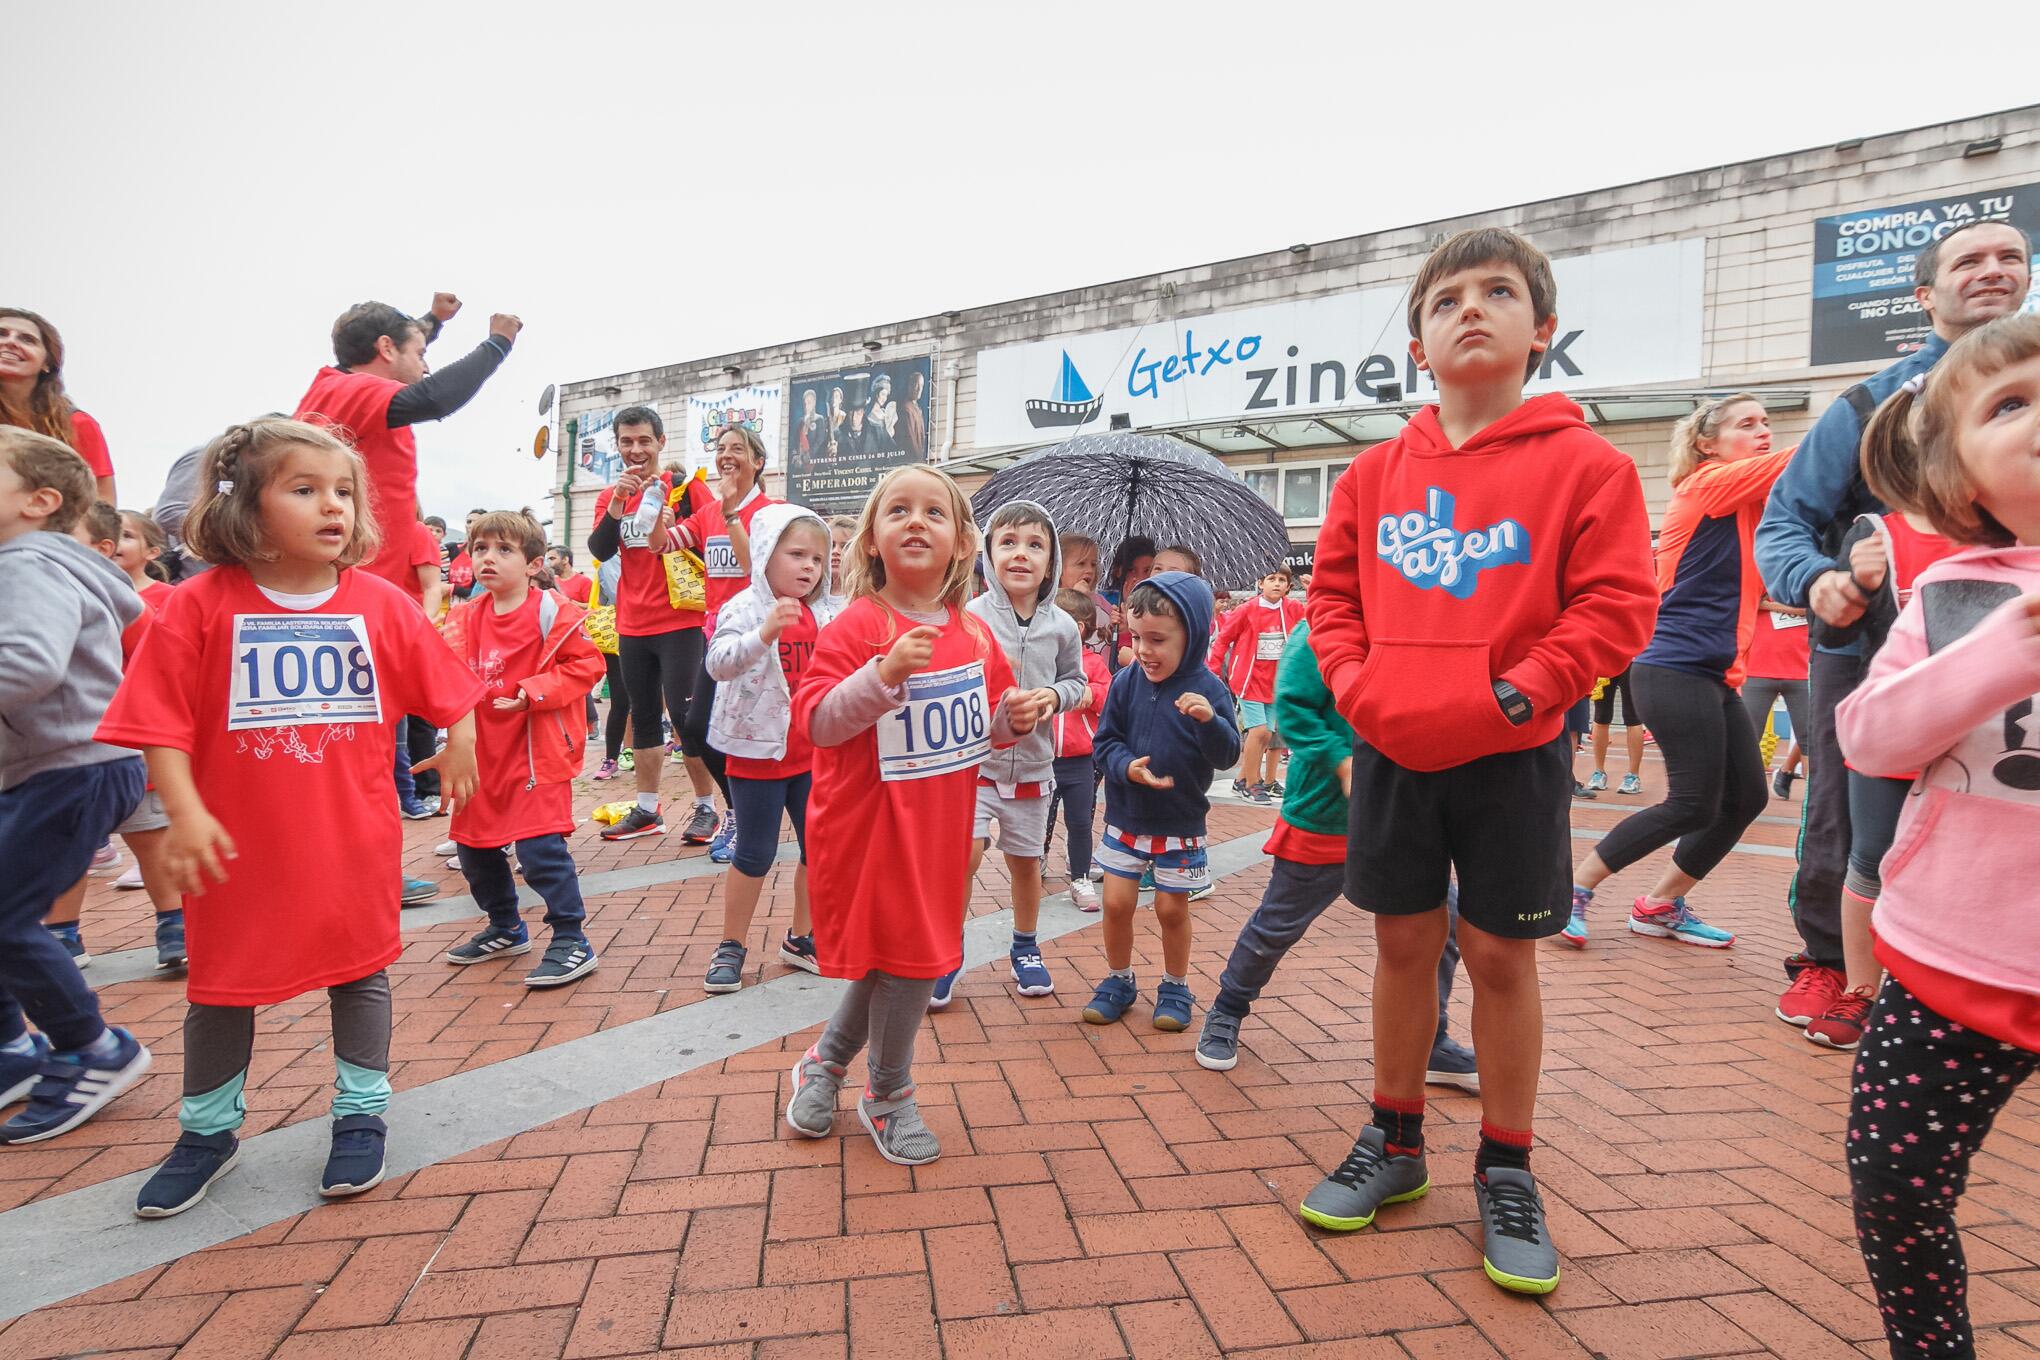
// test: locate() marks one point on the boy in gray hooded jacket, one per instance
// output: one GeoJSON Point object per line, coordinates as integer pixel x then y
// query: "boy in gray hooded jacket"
{"type": "Point", "coordinates": [1022, 563]}
{"type": "Point", "coordinates": [61, 792]}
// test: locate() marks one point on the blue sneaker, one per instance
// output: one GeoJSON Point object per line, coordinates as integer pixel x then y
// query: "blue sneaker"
{"type": "Point", "coordinates": [1172, 1006]}
{"type": "Point", "coordinates": [414, 809]}
{"type": "Point", "coordinates": [73, 1087]}
{"type": "Point", "coordinates": [170, 951]}
{"type": "Point", "coordinates": [1575, 932]}
{"type": "Point", "coordinates": [1218, 1047]}
{"type": "Point", "coordinates": [20, 1071]}
{"type": "Point", "coordinates": [723, 848]}
{"type": "Point", "coordinates": [1147, 878]}
{"type": "Point", "coordinates": [73, 942]}
{"type": "Point", "coordinates": [1452, 1064]}
{"type": "Point", "coordinates": [725, 969]}
{"type": "Point", "coordinates": [1110, 1001]}
{"type": "Point", "coordinates": [356, 1162]}
{"type": "Point", "coordinates": [1597, 781]}
{"type": "Point", "coordinates": [1030, 974]}
{"type": "Point", "coordinates": [490, 941]}
{"type": "Point", "coordinates": [1676, 921]}
{"type": "Point", "coordinates": [417, 890]}
{"type": "Point", "coordinates": [945, 987]}
{"type": "Point", "coordinates": [196, 1160]}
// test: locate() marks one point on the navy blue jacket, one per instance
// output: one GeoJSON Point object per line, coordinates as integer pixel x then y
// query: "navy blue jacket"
{"type": "Point", "coordinates": [1140, 719]}
{"type": "Point", "coordinates": [1822, 490]}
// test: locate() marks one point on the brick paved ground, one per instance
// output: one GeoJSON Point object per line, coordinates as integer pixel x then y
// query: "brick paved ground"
{"type": "Point", "coordinates": [1100, 1195]}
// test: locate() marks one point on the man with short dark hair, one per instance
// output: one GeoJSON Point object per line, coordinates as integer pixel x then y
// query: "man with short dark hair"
{"type": "Point", "coordinates": [379, 386]}
{"type": "Point", "coordinates": [1975, 273]}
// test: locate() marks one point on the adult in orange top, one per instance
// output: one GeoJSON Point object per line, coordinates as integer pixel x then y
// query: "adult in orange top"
{"type": "Point", "coordinates": [380, 386]}
{"type": "Point", "coordinates": [1685, 682]}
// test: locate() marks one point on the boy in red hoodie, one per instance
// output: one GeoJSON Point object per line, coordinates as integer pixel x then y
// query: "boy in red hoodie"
{"type": "Point", "coordinates": [531, 730]}
{"type": "Point", "coordinates": [1474, 576]}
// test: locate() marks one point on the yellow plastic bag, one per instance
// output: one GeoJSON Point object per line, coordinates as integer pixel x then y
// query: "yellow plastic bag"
{"type": "Point", "coordinates": [600, 624]}
{"type": "Point", "coordinates": [686, 574]}
{"type": "Point", "coordinates": [610, 813]}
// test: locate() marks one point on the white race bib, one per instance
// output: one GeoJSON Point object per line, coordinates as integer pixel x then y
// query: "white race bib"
{"type": "Point", "coordinates": [633, 537]}
{"type": "Point", "coordinates": [1788, 620]}
{"type": "Point", "coordinates": [718, 558]}
{"type": "Point", "coordinates": [946, 725]}
{"type": "Point", "coordinates": [1269, 648]}
{"type": "Point", "coordinates": [301, 668]}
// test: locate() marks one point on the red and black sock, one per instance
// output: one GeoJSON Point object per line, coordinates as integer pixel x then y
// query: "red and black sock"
{"type": "Point", "coordinates": [1401, 1123]}
{"type": "Point", "coordinates": [1501, 1147]}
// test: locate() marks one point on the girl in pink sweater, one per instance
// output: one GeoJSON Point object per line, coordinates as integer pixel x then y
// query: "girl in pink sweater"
{"type": "Point", "coordinates": [1956, 1026]}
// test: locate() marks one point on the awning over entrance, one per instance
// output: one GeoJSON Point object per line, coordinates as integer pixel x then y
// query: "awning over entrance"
{"type": "Point", "coordinates": [1347, 426]}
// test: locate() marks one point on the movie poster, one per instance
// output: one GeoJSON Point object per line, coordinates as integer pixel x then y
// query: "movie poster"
{"type": "Point", "coordinates": [847, 429]}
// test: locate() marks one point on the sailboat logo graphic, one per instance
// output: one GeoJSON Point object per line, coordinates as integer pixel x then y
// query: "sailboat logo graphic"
{"type": "Point", "coordinates": [1073, 403]}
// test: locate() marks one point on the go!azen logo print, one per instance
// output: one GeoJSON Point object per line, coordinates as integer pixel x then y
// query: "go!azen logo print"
{"type": "Point", "coordinates": [1429, 552]}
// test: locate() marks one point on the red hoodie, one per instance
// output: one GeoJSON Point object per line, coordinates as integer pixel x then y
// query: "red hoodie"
{"type": "Point", "coordinates": [1522, 556]}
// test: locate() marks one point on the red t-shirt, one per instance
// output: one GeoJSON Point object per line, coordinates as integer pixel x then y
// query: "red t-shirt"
{"type": "Point", "coordinates": [460, 573]}
{"type": "Point", "coordinates": [288, 719]}
{"type": "Point", "coordinates": [132, 635]}
{"type": "Point", "coordinates": [156, 594]}
{"type": "Point", "coordinates": [643, 608]}
{"type": "Point", "coordinates": [358, 406]}
{"type": "Point", "coordinates": [708, 533]}
{"type": "Point", "coordinates": [889, 858]}
{"type": "Point", "coordinates": [1298, 846]}
{"type": "Point", "coordinates": [508, 647]}
{"type": "Point", "coordinates": [796, 654]}
{"type": "Point", "coordinates": [1271, 625]}
{"type": "Point", "coordinates": [423, 552]}
{"type": "Point", "coordinates": [1778, 647]}
{"type": "Point", "coordinates": [576, 588]}
{"type": "Point", "coordinates": [90, 442]}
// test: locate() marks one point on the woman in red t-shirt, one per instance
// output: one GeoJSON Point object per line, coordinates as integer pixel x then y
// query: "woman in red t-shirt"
{"type": "Point", "coordinates": [32, 392]}
{"type": "Point", "coordinates": [898, 705]}
{"type": "Point", "coordinates": [272, 682]}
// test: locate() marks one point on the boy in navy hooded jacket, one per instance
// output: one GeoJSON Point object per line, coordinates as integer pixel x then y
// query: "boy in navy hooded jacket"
{"type": "Point", "coordinates": [1167, 727]}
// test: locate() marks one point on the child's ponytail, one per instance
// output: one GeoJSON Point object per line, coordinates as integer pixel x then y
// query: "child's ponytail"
{"type": "Point", "coordinates": [1890, 453]}
{"type": "Point", "coordinates": [224, 525]}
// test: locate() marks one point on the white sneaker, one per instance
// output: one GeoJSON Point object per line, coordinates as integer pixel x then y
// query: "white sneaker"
{"type": "Point", "coordinates": [446, 848]}
{"type": "Point", "coordinates": [130, 880]}
{"type": "Point", "coordinates": [1083, 896]}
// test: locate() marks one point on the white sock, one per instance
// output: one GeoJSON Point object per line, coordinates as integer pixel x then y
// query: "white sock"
{"type": "Point", "coordinates": [105, 1046]}
{"type": "Point", "coordinates": [648, 801]}
{"type": "Point", "coordinates": [20, 1048]}
{"type": "Point", "coordinates": [701, 802]}
{"type": "Point", "coordinates": [1126, 973]}
{"type": "Point", "coordinates": [1183, 981]}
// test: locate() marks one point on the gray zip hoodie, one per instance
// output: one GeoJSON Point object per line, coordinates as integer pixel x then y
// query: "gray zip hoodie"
{"type": "Point", "coordinates": [60, 628]}
{"type": "Point", "coordinates": [1046, 650]}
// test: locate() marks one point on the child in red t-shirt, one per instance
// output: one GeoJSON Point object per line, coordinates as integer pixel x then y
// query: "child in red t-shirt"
{"type": "Point", "coordinates": [536, 668]}
{"type": "Point", "coordinates": [764, 644]}
{"type": "Point", "coordinates": [898, 705]}
{"type": "Point", "coordinates": [269, 684]}
{"type": "Point", "coordinates": [1254, 634]}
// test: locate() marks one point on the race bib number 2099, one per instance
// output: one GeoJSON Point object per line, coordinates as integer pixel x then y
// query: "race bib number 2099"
{"type": "Point", "coordinates": [301, 668]}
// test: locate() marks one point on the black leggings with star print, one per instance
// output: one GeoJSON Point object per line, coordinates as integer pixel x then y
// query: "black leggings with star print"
{"type": "Point", "coordinates": [1923, 1095]}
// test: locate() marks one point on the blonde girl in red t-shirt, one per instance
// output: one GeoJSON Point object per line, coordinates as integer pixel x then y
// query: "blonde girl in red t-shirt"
{"type": "Point", "coordinates": [265, 699]}
{"type": "Point", "coordinates": [898, 704]}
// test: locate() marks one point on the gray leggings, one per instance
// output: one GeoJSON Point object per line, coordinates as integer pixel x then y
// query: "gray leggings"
{"type": "Point", "coordinates": [883, 1012]}
{"type": "Point", "coordinates": [219, 1040]}
{"type": "Point", "coordinates": [1760, 695]}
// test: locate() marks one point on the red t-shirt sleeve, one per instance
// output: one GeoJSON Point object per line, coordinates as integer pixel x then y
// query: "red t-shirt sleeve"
{"type": "Point", "coordinates": [424, 547]}
{"type": "Point", "coordinates": [90, 442]}
{"type": "Point", "coordinates": [427, 679]}
{"type": "Point", "coordinates": [154, 705]}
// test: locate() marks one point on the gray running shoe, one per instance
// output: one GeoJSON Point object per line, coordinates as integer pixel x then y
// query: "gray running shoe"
{"type": "Point", "coordinates": [812, 1111]}
{"type": "Point", "coordinates": [896, 1129]}
{"type": "Point", "coordinates": [1218, 1047]}
{"type": "Point", "coordinates": [701, 826]}
{"type": "Point", "coordinates": [1346, 1200]}
{"type": "Point", "coordinates": [1516, 1248]}
{"type": "Point", "coordinates": [726, 969]}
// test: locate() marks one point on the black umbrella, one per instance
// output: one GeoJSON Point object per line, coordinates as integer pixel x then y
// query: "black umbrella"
{"type": "Point", "coordinates": [1114, 486]}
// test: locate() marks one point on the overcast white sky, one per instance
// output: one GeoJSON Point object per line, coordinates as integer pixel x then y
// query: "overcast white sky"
{"type": "Point", "coordinates": [195, 191]}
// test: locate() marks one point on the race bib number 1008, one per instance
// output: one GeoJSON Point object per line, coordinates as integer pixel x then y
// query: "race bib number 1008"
{"type": "Point", "coordinates": [719, 557]}
{"type": "Point", "coordinates": [301, 668]}
{"type": "Point", "coordinates": [945, 726]}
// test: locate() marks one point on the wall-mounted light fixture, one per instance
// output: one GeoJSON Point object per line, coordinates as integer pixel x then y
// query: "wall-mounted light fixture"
{"type": "Point", "coordinates": [612, 391]}
{"type": "Point", "coordinates": [733, 373]}
{"type": "Point", "coordinates": [872, 347]}
{"type": "Point", "coordinates": [1986, 147]}
{"type": "Point", "coordinates": [1300, 248]}
{"type": "Point", "coordinates": [1852, 144]}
